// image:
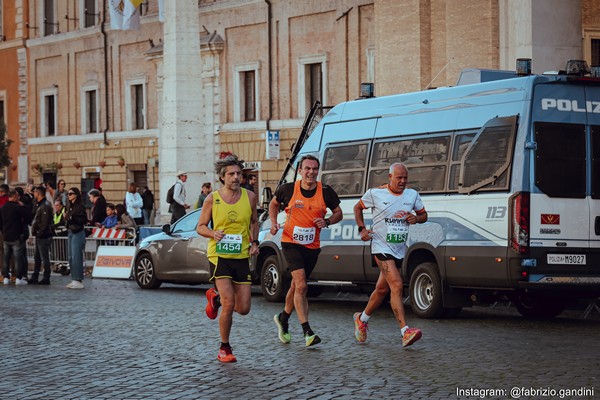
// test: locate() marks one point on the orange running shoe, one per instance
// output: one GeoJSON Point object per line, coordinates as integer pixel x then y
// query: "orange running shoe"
{"type": "Point", "coordinates": [212, 306]}
{"type": "Point", "coordinates": [411, 335]}
{"type": "Point", "coordinates": [226, 355]}
{"type": "Point", "coordinates": [360, 328]}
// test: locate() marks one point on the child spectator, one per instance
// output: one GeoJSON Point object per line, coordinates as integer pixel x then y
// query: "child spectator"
{"type": "Point", "coordinates": [111, 217]}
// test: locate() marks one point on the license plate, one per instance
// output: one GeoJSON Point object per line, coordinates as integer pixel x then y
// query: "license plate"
{"type": "Point", "coordinates": [568, 259]}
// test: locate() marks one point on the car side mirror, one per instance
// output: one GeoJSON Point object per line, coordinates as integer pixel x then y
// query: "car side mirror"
{"type": "Point", "coordinates": [166, 229]}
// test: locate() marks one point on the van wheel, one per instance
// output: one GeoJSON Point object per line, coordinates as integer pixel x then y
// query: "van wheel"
{"type": "Point", "coordinates": [272, 280]}
{"type": "Point", "coordinates": [425, 291]}
{"type": "Point", "coordinates": [537, 306]}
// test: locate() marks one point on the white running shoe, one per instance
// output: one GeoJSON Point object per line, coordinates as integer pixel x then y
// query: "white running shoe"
{"type": "Point", "coordinates": [6, 281]}
{"type": "Point", "coordinates": [21, 282]}
{"type": "Point", "coordinates": [75, 285]}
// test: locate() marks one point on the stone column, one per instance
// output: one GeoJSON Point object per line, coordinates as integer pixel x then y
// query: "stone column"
{"type": "Point", "coordinates": [182, 143]}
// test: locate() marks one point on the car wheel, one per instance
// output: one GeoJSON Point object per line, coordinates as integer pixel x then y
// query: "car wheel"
{"type": "Point", "coordinates": [145, 273]}
{"type": "Point", "coordinates": [272, 281]}
{"type": "Point", "coordinates": [537, 306]}
{"type": "Point", "coordinates": [425, 291]}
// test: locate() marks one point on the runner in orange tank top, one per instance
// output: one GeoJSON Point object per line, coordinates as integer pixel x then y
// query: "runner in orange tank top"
{"type": "Point", "coordinates": [306, 202]}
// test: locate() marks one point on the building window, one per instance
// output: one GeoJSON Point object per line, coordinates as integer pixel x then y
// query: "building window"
{"type": "Point", "coordinates": [246, 96]}
{"type": "Point", "coordinates": [48, 113]}
{"type": "Point", "coordinates": [1, 21]}
{"type": "Point", "coordinates": [89, 110]}
{"type": "Point", "coordinates": [591, 46]}
{"type": "Point", "coordinates": [89, 13]}
{"type": "Point", "coordinates": [2, 110]}
{"type": "Point", "coordinates": [595, 53]}
{"type": "Point", "coordinates": [49, 22]}
{"type": "Point", "coordinates": [371, 64]}
{"type": "Point", "coordinates": [312, 82]}
{"type": "Point", "coordinates": [135, 105]}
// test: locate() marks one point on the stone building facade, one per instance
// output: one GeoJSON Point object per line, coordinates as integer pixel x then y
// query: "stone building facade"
{"type": "Point", "coordinates": [94, 99]}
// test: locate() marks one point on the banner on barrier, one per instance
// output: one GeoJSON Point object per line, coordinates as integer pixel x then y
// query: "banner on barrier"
{"type": "Point", "coordinates": [108, 233]}
{"type": "Point", "coordinates": [114, 262]}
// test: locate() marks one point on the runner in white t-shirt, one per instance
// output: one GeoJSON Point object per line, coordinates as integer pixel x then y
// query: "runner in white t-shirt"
{"type": "Point", "coordinates": [395, 208]}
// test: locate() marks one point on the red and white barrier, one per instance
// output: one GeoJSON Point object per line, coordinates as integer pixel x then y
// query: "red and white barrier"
{"type": "Point", "coordinates": [108, 233]}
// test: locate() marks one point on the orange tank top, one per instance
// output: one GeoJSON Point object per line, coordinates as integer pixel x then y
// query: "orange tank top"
{"type": "Point", "coordinates": [300, 227]}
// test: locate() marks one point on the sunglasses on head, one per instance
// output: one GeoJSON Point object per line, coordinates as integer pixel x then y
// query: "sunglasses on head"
{"type": "Point", "coordinates": [70, 193]}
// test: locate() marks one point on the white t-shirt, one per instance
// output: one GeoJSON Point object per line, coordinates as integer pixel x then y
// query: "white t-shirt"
{"type": "Point", "coordinates": [390, 229]}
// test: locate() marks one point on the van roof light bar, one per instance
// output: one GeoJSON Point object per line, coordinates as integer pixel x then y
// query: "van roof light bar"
{"type": "Point", "coordinates": [577, 68]}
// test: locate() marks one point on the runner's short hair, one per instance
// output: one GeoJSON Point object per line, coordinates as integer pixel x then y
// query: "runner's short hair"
{"type": "Point", "coordinates": [310, 157]}
{"type": "Point", "coordinates": [222, 164]}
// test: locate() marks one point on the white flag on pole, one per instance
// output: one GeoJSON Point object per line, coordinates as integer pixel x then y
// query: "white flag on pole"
{"type": "Point", "coordinates": [124, 14]}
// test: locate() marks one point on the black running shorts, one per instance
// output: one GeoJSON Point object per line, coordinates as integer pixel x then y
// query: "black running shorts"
{"type": "Point", "coordinates": [387, 257]}
{"type": "Point", "coordinates": [299, 257]}
{"type": "Point", "coordinates": [236, 269]}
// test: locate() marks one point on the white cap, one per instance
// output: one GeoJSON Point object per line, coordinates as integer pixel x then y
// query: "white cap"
{"type": "Point", "coordinates": [181, 173]}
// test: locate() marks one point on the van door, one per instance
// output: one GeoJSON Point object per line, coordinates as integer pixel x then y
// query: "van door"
{"type": "Point", "coordinates": [593, 97]}
{"type": "Point", "coordinates": [560, 207]}
{"type": "Point", "coordinates": [345, 149]}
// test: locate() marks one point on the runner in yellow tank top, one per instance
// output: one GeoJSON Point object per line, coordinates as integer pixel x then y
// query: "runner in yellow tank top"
{"type": "Point", "coordinates": [232, 211]}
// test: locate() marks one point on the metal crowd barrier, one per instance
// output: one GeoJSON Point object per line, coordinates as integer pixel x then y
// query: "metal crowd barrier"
{"type": "Point", "coordinates": [59, 253]}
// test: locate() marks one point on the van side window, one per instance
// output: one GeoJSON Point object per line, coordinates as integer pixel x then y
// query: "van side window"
{"type": "Point", "coordinates": [461, 143]}
{"type": "Point", "coordinates": [596, 162]}
{"type": "Point", "coordinates": [560, 159]}
{"type": "Point", "coordinates": [486, 163]}
{"type": "Point", "coordinates": [425, 158]}
{"type": "Point", "coordinates": [344, 168]}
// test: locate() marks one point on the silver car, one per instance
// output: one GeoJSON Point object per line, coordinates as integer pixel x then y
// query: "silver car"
{"type": "Point", "coordinates": [176, 255]}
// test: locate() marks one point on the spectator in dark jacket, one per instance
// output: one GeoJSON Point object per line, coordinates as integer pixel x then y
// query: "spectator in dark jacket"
{"type": "Point", "coordinates": [27, 202]}
{"type": "Point", "coordinates": [12, 218]}
{"type": "Point", "coordinates": [148, 199]}
{"type": "Point", "coordinates": [99, 208]}
{"type": "Point", "coordinates": [76, 219]}
{"type": "Point", "coordinates": [41, 228]}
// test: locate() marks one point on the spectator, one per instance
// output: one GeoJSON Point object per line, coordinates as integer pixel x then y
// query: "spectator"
{"type": "Point", "coordinates": [59, 225]}
{"type": "Point", "coordinates": [178, 206]}
{"type": "Point", "coordinates": [76, 219]}
{"type": "Point", "coordinates": [4, 194]}
{"type": "Point", "coordinates": [148, 199]}
{"type": "Point", "coordinates": [250, 182]}
{"type": "Point", "coordinates": [99, 206]}
{"type": "Point", "coordinates": [205, 191]}
{"type": "Point", "coordinates": [3, 200]}
{"type": "Point", "coordinates": [12, 218]}
{"type": "Point", "coordinates": [124, 219]}
{"type": "Point", "coordinates": [27, 202]}
{"type": "Point", "coordinates": [111, 217]}
{"type": "Point", "coordinates": [50, 191]}
{"type": "Point", "coordinates": [61, 193]}
{"type": "Point", "coordinates": [134, 203]}
{"type": "Point", "coordinates": [41, 228]}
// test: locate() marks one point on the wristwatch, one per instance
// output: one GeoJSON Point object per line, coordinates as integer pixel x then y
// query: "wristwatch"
{"type": "Point", "coordinates": [360, 228]}
{"type": "Point", "coordinates": [327, 222]}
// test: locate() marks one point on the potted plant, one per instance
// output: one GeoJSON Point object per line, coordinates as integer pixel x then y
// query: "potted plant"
{"type": "Point", "coordinates": [77, 164]}
{"type": "Point", "coordinates": [37, 168]}
{"type": "Point", "coordinates": [121, 161]}
{"type": "Point", "coordinates": [102, 163]}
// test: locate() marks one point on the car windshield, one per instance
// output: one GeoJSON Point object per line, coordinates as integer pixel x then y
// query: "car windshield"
{"type": "Point", "coordinates": [187, 223]}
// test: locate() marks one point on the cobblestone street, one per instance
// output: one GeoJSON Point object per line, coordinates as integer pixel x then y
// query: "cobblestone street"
{"type": "Point", "coordinates": [113, 340]}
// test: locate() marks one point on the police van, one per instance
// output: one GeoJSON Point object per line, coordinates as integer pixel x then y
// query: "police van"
{"type": "Point", "coordinates": [508, 167]}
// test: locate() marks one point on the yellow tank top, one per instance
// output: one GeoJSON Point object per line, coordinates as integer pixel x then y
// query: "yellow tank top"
{"type": "Point", "coordinates": [234, 220]}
